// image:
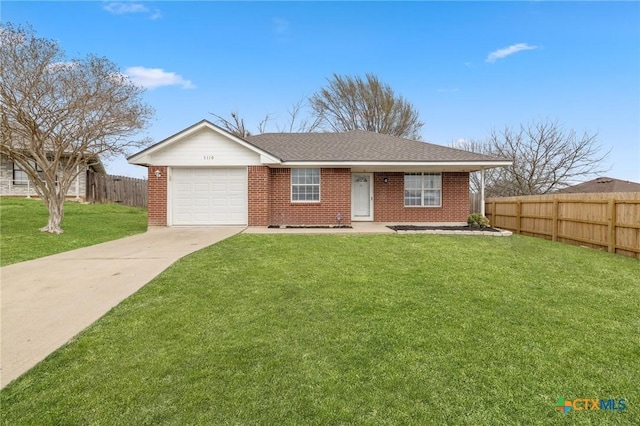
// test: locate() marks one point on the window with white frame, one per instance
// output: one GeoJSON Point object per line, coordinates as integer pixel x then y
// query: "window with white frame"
{"type": "Point", "coordinates": [305, 185]}
{"type": "Point", "coordinates": [422, 189]}
{"type": "Point", "coordinates": [20, 177]}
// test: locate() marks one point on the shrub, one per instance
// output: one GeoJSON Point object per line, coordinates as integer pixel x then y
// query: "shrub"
{"type": "Point", "coordinates": [476, 220]}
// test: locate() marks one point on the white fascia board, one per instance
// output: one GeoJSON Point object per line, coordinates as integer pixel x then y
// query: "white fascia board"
{"type": "Point", "coordinates": [399, 164]}
{"type": "Point", "coordinates": [143, 157]}
{"type": "Point", "coordinates": [269, 160]}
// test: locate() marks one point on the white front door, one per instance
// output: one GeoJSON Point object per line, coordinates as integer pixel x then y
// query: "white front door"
{"type": "Point", "coordinates": [362, 196]}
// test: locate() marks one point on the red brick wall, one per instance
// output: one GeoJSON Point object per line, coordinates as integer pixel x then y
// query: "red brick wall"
{"type": "Point", "coordinates": [157, 196]}
{"type": "Point", "coordinates": [389, 200]}
{"type": "Point", "coordinates": [270, 199]}
{"type": "Point", "coordinates": [258, 196]}
{"type": "Point", "coordinates": [335, 197]}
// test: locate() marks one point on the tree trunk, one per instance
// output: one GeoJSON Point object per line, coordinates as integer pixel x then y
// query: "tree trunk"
{"type": "Point", "coordinates": [55, 204]}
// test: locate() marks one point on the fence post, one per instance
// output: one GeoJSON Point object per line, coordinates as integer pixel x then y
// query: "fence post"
{"type": "Point", "coordinates": [493, 214]}
{"type": "Point", "coordinates": [554, 229]}
{"type": "Point", "coordinates": [518, 213]}
{"type": "Point", "coordinates": [611, 219]}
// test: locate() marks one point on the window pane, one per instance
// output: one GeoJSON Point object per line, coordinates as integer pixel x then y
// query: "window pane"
{"type": "Point", "coordinates": [432, 181]}
{"type": "Point", "coordinates": [20, 178]}
{"type": "Point", "coordinates": [295, 176]}
{"type": "Point", "coordinates": [432, 198]}
{"type": "Point", "coordinates": [412, 181]}
{"type": "Point", "coordinates": [412, 198]}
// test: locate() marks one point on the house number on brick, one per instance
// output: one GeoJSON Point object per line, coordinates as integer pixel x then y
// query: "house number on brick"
{"type": "Point", "coordinates": [209, 157]}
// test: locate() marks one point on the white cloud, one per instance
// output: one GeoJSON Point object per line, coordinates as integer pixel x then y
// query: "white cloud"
{"type": "Point", "coordinates": [152, 78]}
{"type": "Point", "coordinates": [503, 53]}
{"type": "Point", "coordinates": [121, 8]}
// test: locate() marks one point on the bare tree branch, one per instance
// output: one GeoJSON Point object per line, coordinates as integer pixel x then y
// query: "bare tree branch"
{"type": "Point", "coordinates": [234, 126]}
{"type": "Point", "coordinates": [298, 121]}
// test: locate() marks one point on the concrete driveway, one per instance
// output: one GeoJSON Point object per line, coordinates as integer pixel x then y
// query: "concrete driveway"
{"type": "Point", "coordinates": [47, 301]}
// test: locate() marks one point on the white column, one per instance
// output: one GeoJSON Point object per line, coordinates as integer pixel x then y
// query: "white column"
{"type": "Point", "coordinates": [482, 192]}
{"type": "Point", "coordinates": [77, 182]}
{"type": "Point", "coordinates": [28, 187]}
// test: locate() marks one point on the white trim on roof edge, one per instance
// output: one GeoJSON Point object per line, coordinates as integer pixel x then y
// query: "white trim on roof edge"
{"type": "Point", "coordinates": [400, 165]}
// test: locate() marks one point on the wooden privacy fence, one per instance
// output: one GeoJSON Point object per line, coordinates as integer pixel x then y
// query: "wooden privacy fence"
{"type": "Point", "coordinates": [103, 188]}
{"type": "Point", "coordinates": [475, 201]}
{"type": "Point", "coordinates": [607, 221]}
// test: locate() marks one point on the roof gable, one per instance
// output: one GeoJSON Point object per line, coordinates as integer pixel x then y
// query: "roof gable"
{"type": "Point", "coordinates": [203, 144]}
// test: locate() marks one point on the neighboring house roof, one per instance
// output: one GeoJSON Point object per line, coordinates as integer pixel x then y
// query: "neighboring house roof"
{"type": "Point", "coordinates": [97, 166]}
{"type": "Point", "coordinates": [358, 145]}
{"type": "Point", "coordinates": [356, 148]}
{"type": "Point", "coordinates": [602, 184]}
{"type": "Point", "coordinates": [93, 162]}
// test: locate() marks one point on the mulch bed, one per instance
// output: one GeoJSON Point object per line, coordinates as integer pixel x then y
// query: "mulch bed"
{"type": "Point", "coordinates": [440, 228]}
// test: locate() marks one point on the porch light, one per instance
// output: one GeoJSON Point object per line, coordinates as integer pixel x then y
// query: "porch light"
{"type": "Point", "coordinates": [158, 174]}
{"type": "Point", "coordinates": [385, 180]}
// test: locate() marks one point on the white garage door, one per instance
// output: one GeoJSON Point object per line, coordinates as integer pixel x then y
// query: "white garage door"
{"type": "Point", "coordinates": [209, 196]}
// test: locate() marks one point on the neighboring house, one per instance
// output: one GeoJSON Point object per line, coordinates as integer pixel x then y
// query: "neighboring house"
{"type": "Point", "coordinates": [204, 175]}
{"type": "Point", "coordinates": [601, 184]}
{"type": "Point", "coordinates": [15, 182]}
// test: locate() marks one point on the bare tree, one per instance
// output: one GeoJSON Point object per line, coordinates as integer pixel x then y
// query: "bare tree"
{"type": "Point", "coordinates": [59, 115]}
{"type": "Point", "coordinates": [545, 157]}
{"type": "Point", "coordinates": [351, 102]}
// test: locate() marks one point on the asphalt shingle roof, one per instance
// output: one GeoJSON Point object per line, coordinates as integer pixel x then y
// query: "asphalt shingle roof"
{"type": "Point", "coordinates": [358, 145]}
{"type": "Point", "coordinates": [602, 184]}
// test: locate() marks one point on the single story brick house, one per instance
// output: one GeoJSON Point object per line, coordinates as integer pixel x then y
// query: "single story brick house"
{"type": "Point", "coordinates": [14, 181]}
{"type": "Point", "coordinates": [204, 175]}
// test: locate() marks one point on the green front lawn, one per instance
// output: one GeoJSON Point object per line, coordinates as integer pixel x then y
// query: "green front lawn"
{"type": "Point", "coordinates": [83, 225]}
{"type": "Point", "coordinates": [350, 329]}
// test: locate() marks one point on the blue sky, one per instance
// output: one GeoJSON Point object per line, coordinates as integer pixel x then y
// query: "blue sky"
{"type": "Point", "coordinates": [468, 67]}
